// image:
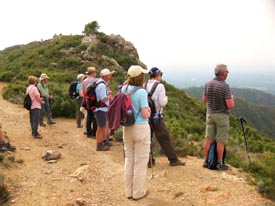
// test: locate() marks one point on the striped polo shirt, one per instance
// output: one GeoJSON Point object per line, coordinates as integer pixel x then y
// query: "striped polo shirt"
{"type": "Point", "coordinates": [217, 91]}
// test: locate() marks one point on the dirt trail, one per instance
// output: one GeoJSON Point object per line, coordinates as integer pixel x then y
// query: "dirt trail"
{"type": "Point", "coordinates": [100, 182]}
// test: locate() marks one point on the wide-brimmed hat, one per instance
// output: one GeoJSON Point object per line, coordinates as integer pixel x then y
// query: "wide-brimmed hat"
{"type": "Point", "coordinates": [43, 76]}
{"type": "Point", "coordinates": [136, 70]}
{"type": "Point", "coordinates": [80, 76]}
{"type": "Point", "coordinates": [105, 72]}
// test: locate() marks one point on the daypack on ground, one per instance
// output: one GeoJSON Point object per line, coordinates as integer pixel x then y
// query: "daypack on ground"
{"type": "Point", "coordinates": [72, 90]}
{"type": "Point", "coordinates": [27, 103]}
{"type": "Point", "coordinates": [212, 159]}
{"type": "Point", "coordinates": [121, 111]}
{"type": "Point", "coordinates": [90, 98]}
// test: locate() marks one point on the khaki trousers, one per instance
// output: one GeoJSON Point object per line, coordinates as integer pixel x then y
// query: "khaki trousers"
{"type": "Point", "coordinates": [137, 147]}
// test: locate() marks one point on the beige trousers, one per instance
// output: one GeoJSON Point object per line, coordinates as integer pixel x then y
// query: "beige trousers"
{"type": "Point", "coordinates": [85, 113]}
{"type": "Point", "coordinates": [137, 147]}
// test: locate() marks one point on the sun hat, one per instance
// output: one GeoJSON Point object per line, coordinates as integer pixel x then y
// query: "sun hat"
{"type": "Point", "coordinates": [80, 76]}
{"type": "Point", "coordinates": [105, 72]}
{"type": "Point", "coordinates": [136, 70]}
{"type": "Point", "coordinates": [43, 76]}
{"type": "Point", "coordinates": [90, 70]}
{"type": "Point", "coordinates": [221, 68]}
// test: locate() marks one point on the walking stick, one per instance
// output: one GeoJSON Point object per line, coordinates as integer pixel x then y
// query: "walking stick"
{"type": "Point", "coordinates": [151, 153]}
{"type": "Point", "coordinates": [242, 121]}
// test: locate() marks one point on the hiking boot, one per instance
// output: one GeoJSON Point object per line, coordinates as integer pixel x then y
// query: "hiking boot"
{"type": "Point", "coordinates": [108, 143]}
{"type": "Point", "coordinates": [149, 164]}
{"type": "Point", "coordinates": [42, 125]}
{"type": "Point", "coordinates": [2, 149]}
{"type": "Point", "coordinates": [52, 122]}
{"type": "Point", "coordinates": [102, 147]}
{"type": "Point", "coordinates": [8, 146]}
{"type": "Point", "coordinates": [177, 163]}
{"type": "Point", "coordinates": [38, 136]}
{"type": "Point", "coordinates": [205, 164]}
{"type": "Point", "coordinates": [221, 166]}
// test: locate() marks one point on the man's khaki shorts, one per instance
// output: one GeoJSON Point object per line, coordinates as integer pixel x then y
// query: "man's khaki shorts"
{"type": "Point", "coordinates": [217, 127]}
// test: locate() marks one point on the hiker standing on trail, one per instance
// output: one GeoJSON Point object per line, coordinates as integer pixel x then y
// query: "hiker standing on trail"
{"type": "Point", "coordinates": [137, 137]}
{"type": "Point", "coordinates": [4, 144]}
{"type": "Point", "coordinates": [42, 87]}
{"type": "Point", "coordinates": [103, 94]}
{"type": "Point", "coordinates": [78, 100]}
{"type": "Point", "coordinates": [35, 111]}
{"type": "Point", "coordinates": [91, 71]}
{"type": "Point", "coordinates": [217, 94]}
{"type": "Point", "coordinates": [158, 126]}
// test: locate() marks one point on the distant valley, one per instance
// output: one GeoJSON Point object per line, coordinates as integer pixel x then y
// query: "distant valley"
{"type": "Point", "coordinates": [263, 81]}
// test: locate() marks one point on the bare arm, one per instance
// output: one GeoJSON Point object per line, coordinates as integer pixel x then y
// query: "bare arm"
{"type": "Point", "coordinates": [230, 102]}
{"type": "Point", "coordinates": [145, 112]}
{"type": "Point", "coordinates": [204, 99]}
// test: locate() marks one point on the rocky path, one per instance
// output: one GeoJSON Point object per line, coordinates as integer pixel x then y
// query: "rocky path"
{"type": "Point", "coordinates": [83, 176]}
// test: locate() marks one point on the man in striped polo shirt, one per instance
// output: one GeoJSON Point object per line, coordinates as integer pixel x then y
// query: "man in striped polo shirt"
{"type": "Point", "coordinates": [219, 99]}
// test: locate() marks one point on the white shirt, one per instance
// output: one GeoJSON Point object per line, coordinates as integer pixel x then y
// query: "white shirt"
{"type": "Point", "coordinates": [159, 95]}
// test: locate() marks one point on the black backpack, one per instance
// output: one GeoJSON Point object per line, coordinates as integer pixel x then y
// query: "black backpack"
{"type": "Point", "coordinates": [151, 102]}
{"type": "Point", "coordinates": [212, 159]}
{"type": "Point", "coordinates": [90, 98]}
{"type": "Point", "coordinates": [72, 90]}
{"type": "Point", "coordinates": [27, 102]}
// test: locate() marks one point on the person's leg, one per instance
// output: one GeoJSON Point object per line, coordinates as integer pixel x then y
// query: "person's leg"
{"type": "Point", "coordinates": [222, 121]}
{"type": "Point", "coordinates": [85, 114]}
{"type": "Point", "coordinates": [78, 113]}
{"type": "Point", "coordinates": [90, 116]}
{"type": "Point", "coordinates": [36, 119]}
{"type": "Point", "coordinates": [42, 113]}
{"type": "Point", "coordinates": [163, 137]}
{"type": "Point", "coordinates": [129, 160]}
{"type": "Point", "coordinates": [210, 134]}
{"type": "Point", "coordinates": [141, 154]}
{"type": "Point", "coordinates": [94, 122]}
{"type": "Point", "coordinates": [101, 131]}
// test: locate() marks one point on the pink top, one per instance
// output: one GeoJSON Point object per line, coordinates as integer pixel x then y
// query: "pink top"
{"type": "Point", "coordinates": [35, 96]}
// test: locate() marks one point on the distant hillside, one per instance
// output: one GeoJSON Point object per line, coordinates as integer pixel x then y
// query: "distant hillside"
{"type": "Point", "coordinates": [256, 106]}
{"type": "Point", "coordinates": [63, 57]}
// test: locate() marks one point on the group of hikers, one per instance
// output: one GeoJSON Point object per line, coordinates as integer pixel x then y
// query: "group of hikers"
{"type": "Point", "coordinates": [137, 137]}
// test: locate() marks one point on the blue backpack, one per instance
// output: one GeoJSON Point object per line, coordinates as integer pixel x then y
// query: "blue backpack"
{"type": "Point", "coordinates": [212, 159]}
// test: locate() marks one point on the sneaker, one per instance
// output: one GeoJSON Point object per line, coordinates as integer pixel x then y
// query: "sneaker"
{"type": "Point", "coordinates": [221, 166]}
{"type": "Point", "coordinates": [205, 164]}
{"type": "Point", "coordinates": [38, 136]}
{"type": "Point", "coordinates": [42, 125]}
{"type": "Point", "coordinates": [52, 122]}
{"type": "Point", "coordinates": [146, 193]}
{"type": "Point", "coordinates": [8, 147]}
{"type": "Point", "coordinates": [177, 163]}
{"type": "Point", "coordinates": [102, 147]}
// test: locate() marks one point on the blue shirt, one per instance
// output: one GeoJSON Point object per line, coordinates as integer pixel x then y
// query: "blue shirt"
{"type": "Point", "coordinates": [101, 93]}
{"type": "Point", "coordinates": [139, 101]}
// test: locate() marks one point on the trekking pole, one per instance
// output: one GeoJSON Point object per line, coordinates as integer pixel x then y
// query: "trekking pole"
{"type": "Point", "coordinates": [151, 153]}
{"type": "Point", "coordinates": [242, 121]}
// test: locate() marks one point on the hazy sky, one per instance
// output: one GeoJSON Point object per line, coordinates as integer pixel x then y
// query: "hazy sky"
{"type": "Point", "coordinates": [172, 35]}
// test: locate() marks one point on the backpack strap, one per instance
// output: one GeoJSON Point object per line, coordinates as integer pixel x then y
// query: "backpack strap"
{"type": "Point", "coordinates": [153, 88]}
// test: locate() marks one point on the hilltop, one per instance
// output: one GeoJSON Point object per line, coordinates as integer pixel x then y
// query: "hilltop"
{"type": "Point", "coordinates": [64, 56]}
{"type": "Point", "coordinates": [35, 182]}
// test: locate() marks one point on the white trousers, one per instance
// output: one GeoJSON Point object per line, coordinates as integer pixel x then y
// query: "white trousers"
{"type": "Point", "coordinates": [137, 147]}
{"type": "Point", "coordinates": [85, 113]}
